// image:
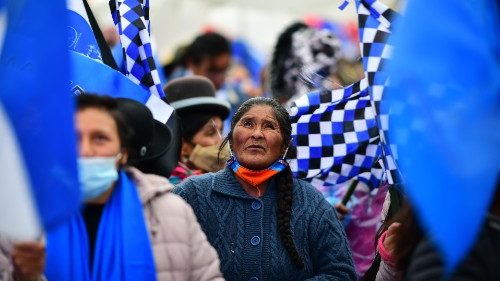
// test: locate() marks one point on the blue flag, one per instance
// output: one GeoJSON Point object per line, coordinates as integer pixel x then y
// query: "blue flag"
{"type": "Point", "coordinates": [445, 121]}
{"type": "Point", "coordinates": [3, 18]}
{"type": "Point", "coordinates": [81, 37]}
{"type": "Point", "coordinates": [37, 144]}
{"type": "Point", "coordinates": [90, 74]}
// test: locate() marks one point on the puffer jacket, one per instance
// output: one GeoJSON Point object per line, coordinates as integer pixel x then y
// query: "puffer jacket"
{"type": "Point", "coordinates": [180, 248]}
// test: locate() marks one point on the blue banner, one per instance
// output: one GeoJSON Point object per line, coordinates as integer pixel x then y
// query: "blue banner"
{"type": "Point", "coordinates": [445, 105]}
{"type": "Point", "coordinates": [89, 75]}
{"type": "Point", "coordinates": [34, 73]}
{"type": "Point", "coordinates": [81, 37]}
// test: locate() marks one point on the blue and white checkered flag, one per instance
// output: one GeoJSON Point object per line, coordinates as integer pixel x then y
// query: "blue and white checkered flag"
{"type": "Point", "coordinates": [131, 18]}
{"type": "Point", "coordinates": [337, 133]}
{"type": "Point", "coordinates": [337, 137]}
{"type": "Point", "coordinates": [375, 28]}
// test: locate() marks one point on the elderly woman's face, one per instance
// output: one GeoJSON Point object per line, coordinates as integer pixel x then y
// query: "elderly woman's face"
{"type": "Point", "coordinates": [257, 141]}
{"type": "Point", "coordinates": [97, 133]}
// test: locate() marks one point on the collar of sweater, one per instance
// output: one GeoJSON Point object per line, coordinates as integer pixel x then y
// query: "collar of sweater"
{"type": "Point", "coordinates": [225, 182]}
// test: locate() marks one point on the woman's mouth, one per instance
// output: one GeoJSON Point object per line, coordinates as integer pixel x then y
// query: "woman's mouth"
{"type": "Point", "coordinates": [255, 147]}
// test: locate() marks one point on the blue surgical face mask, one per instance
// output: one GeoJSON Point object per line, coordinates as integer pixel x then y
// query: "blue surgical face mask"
{"type": "Point", "coordinates": [96, 175]}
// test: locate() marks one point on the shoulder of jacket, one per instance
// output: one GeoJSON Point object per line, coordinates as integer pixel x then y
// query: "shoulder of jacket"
{"type": "Point", "coordinates": [149, 185]}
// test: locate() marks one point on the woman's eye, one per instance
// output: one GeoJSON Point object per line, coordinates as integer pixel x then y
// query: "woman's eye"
{"type": "Point", "coordinates": [100, 138]}
{"type": "Point", "coordinates": [270, 126]}
{"type": "Point", "coordinates": [247, 124]}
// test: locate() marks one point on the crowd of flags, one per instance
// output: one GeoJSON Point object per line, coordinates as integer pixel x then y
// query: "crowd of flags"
{"type": "Point", "coordinates": [138, 78]}
{"type": "Point", "coordinates": [45, 59]}
{"type": "Point", "coordinates": [340, 135]}
{"type": "Point", "coordinates": [344, 134]}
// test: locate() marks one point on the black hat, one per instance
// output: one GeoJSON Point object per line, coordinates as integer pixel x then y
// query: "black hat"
{"type": "Point", "coordinates": [195, 95]}
{"type": "Point", "coordinates": [150, 140]}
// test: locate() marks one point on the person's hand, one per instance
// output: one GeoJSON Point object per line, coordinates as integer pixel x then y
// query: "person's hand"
{"type": "Point", "coordinates": [29, 260]}
{"type": "Point", "coordinates": [389, 241]}
{"type": "Point", "coordinates": [342, 210]}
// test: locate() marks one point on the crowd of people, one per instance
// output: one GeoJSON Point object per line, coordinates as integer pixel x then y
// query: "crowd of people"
{"type": "Point", "coordinates": [229, 208]}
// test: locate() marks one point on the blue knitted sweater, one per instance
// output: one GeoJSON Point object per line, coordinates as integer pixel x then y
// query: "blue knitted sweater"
{"type": "Point", "coordinates": [244, 230]}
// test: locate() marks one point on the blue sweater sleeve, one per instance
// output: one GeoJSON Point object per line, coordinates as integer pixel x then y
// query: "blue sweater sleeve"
{"type": "Point", "coordinates": [330, 252]}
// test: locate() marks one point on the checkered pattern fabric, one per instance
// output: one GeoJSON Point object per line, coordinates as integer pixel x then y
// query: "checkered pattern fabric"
{"type": "Point", "coordinates": [336, 136]}
{"type": "Point", "coordinates": [131, 18]}
{"type": "Point", "coordinates": [375, 19]}
{"type": "Point", "coordinates": [339, 134]}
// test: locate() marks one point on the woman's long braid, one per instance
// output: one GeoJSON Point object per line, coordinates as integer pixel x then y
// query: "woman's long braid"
{"type": "Point", "coordinates": [284, 213]}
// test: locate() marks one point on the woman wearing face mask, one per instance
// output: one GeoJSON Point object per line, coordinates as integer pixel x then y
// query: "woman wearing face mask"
{"type": "Point", "coordinates": [201, 115]}
{"type": "Point", "coordinates": [131, 226]}
{"type": "Point", "coordinates": [264, 224]}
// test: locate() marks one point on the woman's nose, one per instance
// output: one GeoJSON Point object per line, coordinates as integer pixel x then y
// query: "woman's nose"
{"type": "Point", "coordinates": [85, 148]}
{"type": "Point", "coordinates": [257, 133]}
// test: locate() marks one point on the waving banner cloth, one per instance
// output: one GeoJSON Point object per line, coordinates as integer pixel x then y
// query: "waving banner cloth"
{"type": "Point", "coordinates": [337, 133]}
{"type": "Point", "coordinates": [339, 138]}
{"type": "Point", "coordinates": [445, 115]}
{"type": "Point", "coordinates": [131, 18]}
{"type": "Point", "coordinates": [3, 22]}
{"type": "Point", "coordinates": [93, 69]}
{"type": "Point", "coordinates": [38, 186]}
{"type": "Point", "coordinates": [90, 74]}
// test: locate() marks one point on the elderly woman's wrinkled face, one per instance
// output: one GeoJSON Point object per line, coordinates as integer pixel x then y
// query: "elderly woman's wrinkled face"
{"type": "Point", "coordinates": [257, 139]}
{"type": "Point", "coordinates": [97, 133]}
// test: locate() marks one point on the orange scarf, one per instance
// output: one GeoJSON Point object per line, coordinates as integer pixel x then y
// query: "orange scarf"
{"type": "Point", "coordinates": [256, 178]}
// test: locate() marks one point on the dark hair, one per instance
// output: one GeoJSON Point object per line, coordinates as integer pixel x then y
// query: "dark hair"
{"type": "Point", "coordinates": [284, 179]}
{"type": "Point", "coordinates": [191, 124]}
{"type": "Point", "coordinates": [277, 69]}
{"type": "Point", "coordinates": [206, 45]}
{"type": "Point", "coordinates": [210, 44]}
{"type": "Point", "coordinates": [108, 104]}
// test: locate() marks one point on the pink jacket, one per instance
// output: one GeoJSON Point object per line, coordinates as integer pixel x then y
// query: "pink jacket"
{"type": "Point", "coordinates": [180, 248]}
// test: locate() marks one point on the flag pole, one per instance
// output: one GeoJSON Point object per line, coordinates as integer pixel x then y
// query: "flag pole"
{"type": "Point", "coordinates": [349, 192]}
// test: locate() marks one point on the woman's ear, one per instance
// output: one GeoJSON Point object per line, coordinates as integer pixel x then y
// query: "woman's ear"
{"type": "Point", "coordinates": [285, 148]}
{"type": "Point", "coordinates": [186, 150]}
{"type": "Point", "coordinates": [124, 158]}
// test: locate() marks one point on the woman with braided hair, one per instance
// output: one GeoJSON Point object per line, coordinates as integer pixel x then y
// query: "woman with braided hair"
{"type": "Point", "coordinates": [264, 224]}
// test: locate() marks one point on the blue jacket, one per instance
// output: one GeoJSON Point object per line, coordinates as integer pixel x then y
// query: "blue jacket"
{"type": "Point", "coordinates": [244, 230]}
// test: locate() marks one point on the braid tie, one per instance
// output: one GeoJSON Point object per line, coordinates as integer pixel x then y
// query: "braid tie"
{"type": "Point", "coordinates": [284, 215]}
